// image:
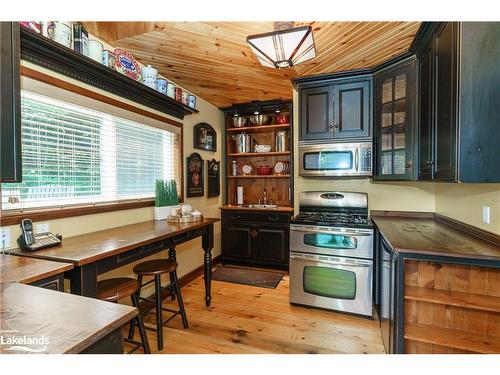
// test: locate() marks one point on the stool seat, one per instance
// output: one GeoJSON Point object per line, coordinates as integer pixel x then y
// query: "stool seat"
{"type": "Point", "coordinates": [155, 267]}
{"type": "Point", "coordinates": [112, 290]}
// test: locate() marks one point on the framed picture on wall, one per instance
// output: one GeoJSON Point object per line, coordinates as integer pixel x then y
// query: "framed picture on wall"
{"type": "Point", "coordinates": [204, 137]}
{"type": "Point", "coordinates": [194, 176]}
{"type": "Point", "coordinates": [213, 178]}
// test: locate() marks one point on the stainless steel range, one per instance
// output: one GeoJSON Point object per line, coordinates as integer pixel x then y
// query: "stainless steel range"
{"type": "Point", "coordinates": [331, 252]}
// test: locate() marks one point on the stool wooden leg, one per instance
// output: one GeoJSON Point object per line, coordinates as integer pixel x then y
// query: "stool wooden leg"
{"type": "Point", "coordinates": [140, 324]}
{"type": "Point", "coordinates": [179, 298]}
{"type": "Point", "coordinates": [159, 322]}
{"type": "Point", "coordinates": [172, 256]}
{"type": "Point", "coordinates": [131, 330]}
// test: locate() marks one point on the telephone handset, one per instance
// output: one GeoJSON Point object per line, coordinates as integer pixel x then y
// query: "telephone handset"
{"type": "Point", "coordinates": [30, 241]}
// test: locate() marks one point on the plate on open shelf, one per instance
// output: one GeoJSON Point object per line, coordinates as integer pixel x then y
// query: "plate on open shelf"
{"type": "Point", "coordinates": [246, 168]}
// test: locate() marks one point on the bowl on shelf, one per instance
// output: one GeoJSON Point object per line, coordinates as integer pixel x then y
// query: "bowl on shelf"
{"type": "Point", "coordinates": [239, 122]}
{"type": "Point", "coordinates": [259, 120]}
{"type": "Point", "coordinates": [262, 148]}
{"type": "Point", "coordinates": [264, 170]}
{"type": "Point", "coordinates": [282, 119]}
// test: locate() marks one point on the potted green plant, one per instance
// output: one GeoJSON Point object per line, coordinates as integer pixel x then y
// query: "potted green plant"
{"type": "Point", "coordinates": [166, 198]}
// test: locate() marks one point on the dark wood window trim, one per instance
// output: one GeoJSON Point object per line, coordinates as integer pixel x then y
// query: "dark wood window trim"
{"type": "Point", "coordinates": [15, 216]}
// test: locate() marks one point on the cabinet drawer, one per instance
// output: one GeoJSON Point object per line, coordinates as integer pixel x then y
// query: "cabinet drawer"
{"type": "Point", "coordinates": [256, 216]}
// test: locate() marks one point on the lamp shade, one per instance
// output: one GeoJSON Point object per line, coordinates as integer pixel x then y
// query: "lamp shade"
{"type": "Point", "coordinates": [283, 48]}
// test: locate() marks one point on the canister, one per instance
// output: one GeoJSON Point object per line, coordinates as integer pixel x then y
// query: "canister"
{"type": "Point", "coordinates": [171, 90]}
{"type": "Point", "coordinates": [192, 101]}
{"type": "Point", "coordinates": [185, 98]}
{"type": "Point", "coordinates": [149, 76]}
{"type": "Point", "coordinates": [63, 33]}
{"type": "Point", "coordinates": [95, 50]}
{"type": "Point", "coordinates": [109, 59]}
{"type": "Point", "coordinates": [161, 85]}
{"type": "Point", "coordinates": [80, 39]}
{"type": "Point", "coordinates": [178, 94]}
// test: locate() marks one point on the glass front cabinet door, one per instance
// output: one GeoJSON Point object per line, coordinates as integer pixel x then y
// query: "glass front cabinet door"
{"type": "Point", "coordinates": [394, 122]}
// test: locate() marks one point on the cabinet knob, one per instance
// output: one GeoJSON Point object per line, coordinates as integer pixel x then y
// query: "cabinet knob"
{"type": "Point", "coordinates": [273, 218]}
{"type": "Point", "coordinates": [235, 217]}
{"type": "Point", "coordinates": [335, 125]}
{"type": "Point", "coordinates": [430, 162]}
{"type": "Point", "coordinates": [253, 233]}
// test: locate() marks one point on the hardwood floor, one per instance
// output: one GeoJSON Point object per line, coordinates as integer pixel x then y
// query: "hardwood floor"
{"type": "Point", "coordinates": [245, 319]}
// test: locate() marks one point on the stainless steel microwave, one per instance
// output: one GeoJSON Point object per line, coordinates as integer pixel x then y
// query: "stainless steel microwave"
{"type": "Point", "coordinates": [336, 159]}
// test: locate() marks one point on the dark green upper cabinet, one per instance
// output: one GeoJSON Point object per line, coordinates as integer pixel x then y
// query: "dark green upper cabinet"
{"type": "Point", "coordinates": [333, 109]}
{"type": "Point", "coordinates": [459, 103]}
{"type": "Point", "coordinates": [10, 103]}
{"type": "Point", "coordinates": [394, 123]}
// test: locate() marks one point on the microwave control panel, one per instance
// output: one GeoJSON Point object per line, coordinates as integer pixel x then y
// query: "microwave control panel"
{"type": "Point", "coordinates": [366, 159]}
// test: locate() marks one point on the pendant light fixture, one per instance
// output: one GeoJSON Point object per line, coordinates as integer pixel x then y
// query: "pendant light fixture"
{"type": "Point", "coordinates": [285, 47]}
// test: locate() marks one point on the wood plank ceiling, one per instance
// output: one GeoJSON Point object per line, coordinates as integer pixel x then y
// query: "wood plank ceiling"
{"type": "Point", "coordinates": [212, 59]}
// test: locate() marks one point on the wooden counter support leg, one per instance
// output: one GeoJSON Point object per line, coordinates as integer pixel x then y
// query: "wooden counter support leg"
{"type": "Point", "coordinates": [208, 244]}
{"type": "Point", "coordinates": [172, 255]}
{"type": "Point", "coordinates": [83, 280]}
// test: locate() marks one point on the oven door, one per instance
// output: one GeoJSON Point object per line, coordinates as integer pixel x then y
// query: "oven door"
{"type": "Point", "coordinates": [349, 242]}
{"type": "Point", "coordinates": [331, 283]}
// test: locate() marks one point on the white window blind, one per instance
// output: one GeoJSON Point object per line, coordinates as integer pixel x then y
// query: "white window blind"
{"type": "Point", "coordinates": [77, 155]}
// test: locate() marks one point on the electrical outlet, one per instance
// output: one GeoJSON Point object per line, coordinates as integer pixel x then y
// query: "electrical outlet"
{"type": "Point", "coordinates": [4, 238]}
{"type": "Point", "coordinates": [486, 214]}
{"type": "Point", "coordinates": [42, 228]}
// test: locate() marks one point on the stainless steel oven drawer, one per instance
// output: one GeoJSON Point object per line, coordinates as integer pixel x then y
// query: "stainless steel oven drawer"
{"type": "Point", "coordinates": [341, 284]}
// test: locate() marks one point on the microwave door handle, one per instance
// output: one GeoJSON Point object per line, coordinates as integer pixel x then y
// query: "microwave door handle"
{"type": "Point", "coordinates": [333, 263]}
{"type": "Point", "coordinates": [356, 159]}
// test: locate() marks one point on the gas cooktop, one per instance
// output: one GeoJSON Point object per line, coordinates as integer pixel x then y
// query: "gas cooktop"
{"type": "Point", "coordinates": [332, 219]}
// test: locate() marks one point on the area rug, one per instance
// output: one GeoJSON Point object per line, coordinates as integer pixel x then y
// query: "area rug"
{"type": "Point", "coordinates": [248, 276]}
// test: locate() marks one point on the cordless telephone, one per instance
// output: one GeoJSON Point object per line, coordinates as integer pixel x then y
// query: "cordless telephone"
{"type": "Point", "coordinates": [31, 242]}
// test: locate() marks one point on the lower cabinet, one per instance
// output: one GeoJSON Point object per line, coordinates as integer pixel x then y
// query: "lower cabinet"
{"type": "Point", "coordinates": [261, 238]}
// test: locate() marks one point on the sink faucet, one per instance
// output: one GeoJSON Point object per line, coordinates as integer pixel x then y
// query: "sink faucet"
{"type": "Point", "coordinates": [264, 196]}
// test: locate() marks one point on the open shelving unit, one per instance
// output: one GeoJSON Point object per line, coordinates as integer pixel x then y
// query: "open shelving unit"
{"type": "Point", "coordinates": [451, 308]}
{"type": "Point", "coordinates": [279, 187]}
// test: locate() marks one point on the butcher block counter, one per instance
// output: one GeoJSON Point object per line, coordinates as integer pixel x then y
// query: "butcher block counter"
{"type": "Point", "coordinates": [437, 283]}
{"type": "Point", "coordinates": [38, 320]}
{"type": "Point", "coordinates": [426, 233]}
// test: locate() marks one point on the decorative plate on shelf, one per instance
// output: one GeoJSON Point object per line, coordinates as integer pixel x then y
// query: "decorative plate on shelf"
{"type": "Point", "coordinates": [246, 168]}
{"type": "Point", "coordinates": [279, 167]}
{"type": "Point", "coordinates": [126, 64]}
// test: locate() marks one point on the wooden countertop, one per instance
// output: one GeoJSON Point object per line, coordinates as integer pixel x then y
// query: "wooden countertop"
{"type": "Point", "coordinates": [28, 270]}
{"type": "Point", "coordinates": [239, 208]}
{"type": "Point", "coordinates": [70, 323]}
{"type": "Point", "coordinates": [432, 234]}
{"type": "Point", "coordinates": [91, 247]}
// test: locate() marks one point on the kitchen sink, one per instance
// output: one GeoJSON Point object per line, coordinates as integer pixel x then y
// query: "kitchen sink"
{"type": "Point", "coordinates": [261, 206]}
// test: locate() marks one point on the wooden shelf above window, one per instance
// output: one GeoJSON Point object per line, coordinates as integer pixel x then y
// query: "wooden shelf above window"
{"type": "Point", "coordinates": [257, 154]}
{"type": "Point", "coordinates": [48, 54]}
{"type": "Point", "coordinates": [261, 176]}
{"type": "Point", "coordinates": [259, 129]}
{"type": "Point", "coordinates": [460, 299]}
{"type": "Point", "coordinates": [465, 340]}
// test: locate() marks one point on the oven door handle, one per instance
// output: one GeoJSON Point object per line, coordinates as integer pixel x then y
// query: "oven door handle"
{"type": "Point", "coordinates": [330, 232]}
{"type": "Point", "coordinates": [356, 264]}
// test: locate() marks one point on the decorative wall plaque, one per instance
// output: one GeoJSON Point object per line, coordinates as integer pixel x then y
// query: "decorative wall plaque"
{"type": "Point", "coordinates": [194, 176]}
{"type": "Point", "coordinates": [213, 178]}
{"type": "Point", "coordinates": [204, 137]}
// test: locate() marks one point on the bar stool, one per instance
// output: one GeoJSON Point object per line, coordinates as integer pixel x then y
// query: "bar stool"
{"type": "Point", "coordinates": [156, 268]}
{"type": "Point", "coordinates": [112, 290]}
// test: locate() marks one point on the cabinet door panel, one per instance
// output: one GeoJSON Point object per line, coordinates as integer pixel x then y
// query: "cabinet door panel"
{"type": "Point", "coordinates": [352, 110]}
{"type": "Point", "coordinates": [272, 244]}
{"type": "Point", "coordinates": [425, 136]}
{"type": "Point", "coordinates": [316, 120]}
{"type": "Point", "coordinates": [238, 241]}
{"type": "Point", "coordinates": [446, 124]}
{"type": "Point", "coordinates": [10, 103]}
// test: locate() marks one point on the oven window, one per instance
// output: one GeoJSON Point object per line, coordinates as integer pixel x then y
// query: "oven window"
{"type": "Point", "coordinates": [329, 282]}
{"type": "Point", "coordinates": [328, 160]}
{"type": "Point", "coordinates": [330, 241]}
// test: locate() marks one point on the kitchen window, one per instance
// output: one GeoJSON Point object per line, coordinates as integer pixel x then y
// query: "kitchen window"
{"type": "Point", "coordinates": [77, 154]}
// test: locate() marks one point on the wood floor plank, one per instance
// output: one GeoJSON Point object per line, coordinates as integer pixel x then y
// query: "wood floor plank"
{"type": "Point", "coordinates": [249, 320]}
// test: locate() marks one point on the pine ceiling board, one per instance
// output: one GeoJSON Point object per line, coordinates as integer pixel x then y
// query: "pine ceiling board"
{"type": "Point", "coordinates": [213, 60]}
